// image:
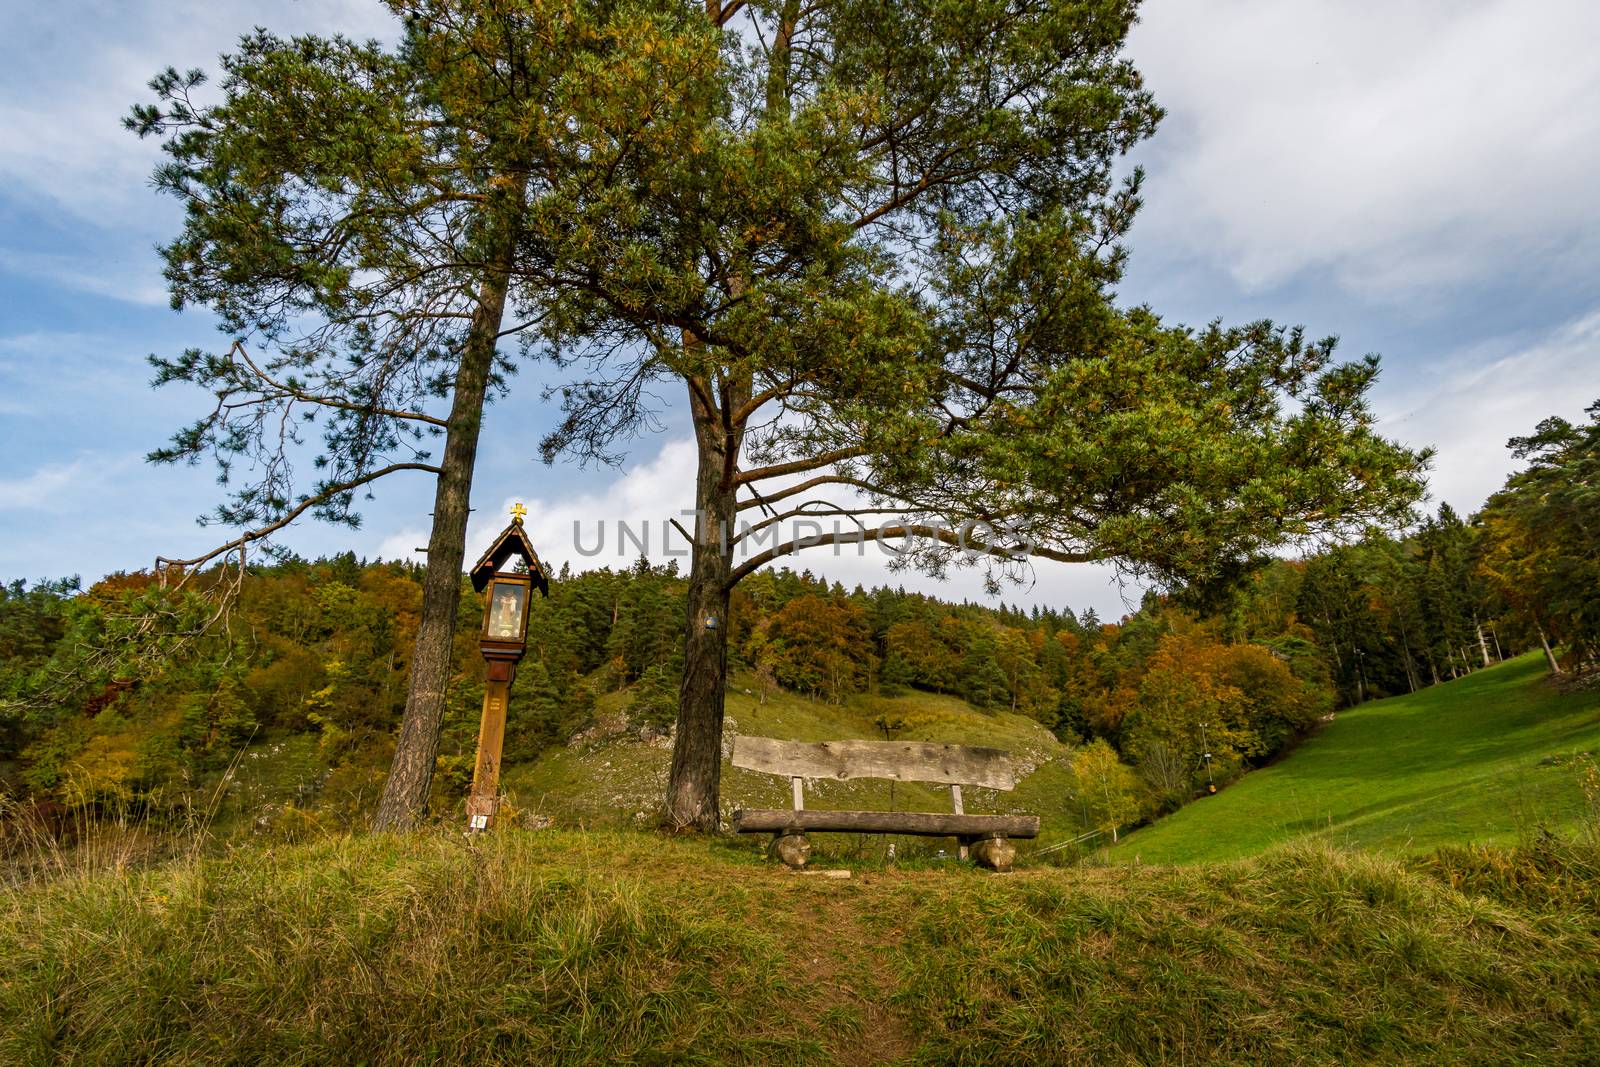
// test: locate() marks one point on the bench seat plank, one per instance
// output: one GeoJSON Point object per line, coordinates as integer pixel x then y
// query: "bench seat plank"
{"type": "Point", "coordinates": [924, 823]}
{"type": "Point", "coordinates": [903, 761]}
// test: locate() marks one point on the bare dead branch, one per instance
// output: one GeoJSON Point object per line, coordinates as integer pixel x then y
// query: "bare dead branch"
{"type": "Point", "coordinates": [329, 401]}
{"type": "Point", "coordinates": [250, 536]}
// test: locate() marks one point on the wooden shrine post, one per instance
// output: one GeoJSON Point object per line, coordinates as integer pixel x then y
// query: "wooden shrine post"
{"type": "Point", "coordinates": [503, 641]}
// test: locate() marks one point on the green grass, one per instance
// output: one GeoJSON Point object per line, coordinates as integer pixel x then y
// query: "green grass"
{"type": "Point", "coordinates": [1489, 757]}
{"type": "Point", "coordinates": [633, 948]}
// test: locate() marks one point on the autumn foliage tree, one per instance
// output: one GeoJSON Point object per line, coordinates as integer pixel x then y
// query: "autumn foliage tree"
{"type": "Point", "coordinates": [1540, 535]}
{"type": "Point", "coordinates": [820, 645]}
{"type": "Point", "coordinates": [1108, 791]}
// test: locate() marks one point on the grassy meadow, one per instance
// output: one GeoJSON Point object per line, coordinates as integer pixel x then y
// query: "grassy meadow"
{"type": "Point", "coordinates": [1392, 891]}
{"type": "Point", "coordinates": [632, 948]}
{"type": "Point", "coordinates": [1493, 757]}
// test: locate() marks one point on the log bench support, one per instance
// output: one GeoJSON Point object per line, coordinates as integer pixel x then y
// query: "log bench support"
{"type": "Point", "coordinates": [996, 852]}
{"type": "Point", "coordinates": [987, 838]}
{"type": "Point", "coordinates": [792, 848]}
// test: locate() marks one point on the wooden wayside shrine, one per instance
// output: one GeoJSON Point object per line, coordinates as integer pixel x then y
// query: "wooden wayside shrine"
{"type": "Point", "coordinates": [510, 571]}
{"type": "Point", "coordinates": [903, 761]}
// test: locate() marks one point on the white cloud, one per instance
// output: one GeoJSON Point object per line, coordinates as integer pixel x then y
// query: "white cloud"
{"type": "Point", "coordinates": [134, 284]}
{"type": "Point", "coordinates": [67, 81]}
{"type": "Point", "coordinates": [1473, 402]}
{"type": "Point", "coordinates": [40, 488]}
{"type": "Point", "coordinates": [58, 488]}
{"type": "Point", "coordinates": [1399, 146]}
{"type": "Point", "coordinates": [644, 498]}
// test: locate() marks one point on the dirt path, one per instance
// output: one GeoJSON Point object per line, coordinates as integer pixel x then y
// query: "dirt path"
{"type": "Point", "coordinates": [844, 970]}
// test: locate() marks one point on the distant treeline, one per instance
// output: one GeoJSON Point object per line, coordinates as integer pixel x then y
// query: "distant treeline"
{"type": "Point", "coordinates": [97, 706]}
{"type": "Point", "coordinates": [321, 647]}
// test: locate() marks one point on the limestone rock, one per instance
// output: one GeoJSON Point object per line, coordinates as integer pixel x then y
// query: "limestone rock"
{"type": "Point", "coordinates": [792, 849]}
{"type": "Point", "coordinates": [995, 853]}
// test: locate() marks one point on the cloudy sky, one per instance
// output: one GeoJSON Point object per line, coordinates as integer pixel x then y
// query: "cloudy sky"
{"type": "Point", "coordinates": [1416, 177]}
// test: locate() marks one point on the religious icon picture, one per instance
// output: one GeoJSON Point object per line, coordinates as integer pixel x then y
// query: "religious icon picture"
{"type": "Point", "coordinates": [505, 614]}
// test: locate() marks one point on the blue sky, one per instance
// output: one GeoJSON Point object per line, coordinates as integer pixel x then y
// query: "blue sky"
{"type": "Point", "coordinates": [1417, 178]}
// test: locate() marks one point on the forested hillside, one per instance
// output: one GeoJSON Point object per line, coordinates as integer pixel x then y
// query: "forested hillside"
{"type": "Point", "coordinates": [317, 651]}
{"type": "Point", "coordinates": [126, 693]}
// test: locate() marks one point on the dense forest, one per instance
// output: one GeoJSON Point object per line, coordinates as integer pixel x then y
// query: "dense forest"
{"type": "Point", "coordinates": [95, 712]}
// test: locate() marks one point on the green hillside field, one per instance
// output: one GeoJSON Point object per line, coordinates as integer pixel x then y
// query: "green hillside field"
{"type": "Point", "coordinates": [611, 779]}
{"type": "Point", "coordinates": [1492, 757]}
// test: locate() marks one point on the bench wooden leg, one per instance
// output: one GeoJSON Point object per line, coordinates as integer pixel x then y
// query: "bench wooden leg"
{"type": "Point", "coordinates": [995, 853]}
{"type": "Point", "coordinates": [791, 848]}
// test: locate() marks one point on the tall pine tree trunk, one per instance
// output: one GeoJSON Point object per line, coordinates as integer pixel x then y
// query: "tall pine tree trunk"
{"type": "Point", "coordinates": [405, 794]}
{"type": "Point", "coordinates": [693, 785]}
{"type": "Point", "coordinates": [1411, 664]}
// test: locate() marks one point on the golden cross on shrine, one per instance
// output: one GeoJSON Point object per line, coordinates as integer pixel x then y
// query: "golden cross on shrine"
{"type": "Point", "coordinates": [517, 512]}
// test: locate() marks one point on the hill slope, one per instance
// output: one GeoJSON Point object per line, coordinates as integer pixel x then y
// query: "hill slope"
{"type": "Point", "coordinates": [1489, 757]}
{"type": "Point", "coordinates": [618, 780]}
{"type": "Point", "coordinates": [611, 779]}
{"type": "Point", "coordinates": [633, 948]}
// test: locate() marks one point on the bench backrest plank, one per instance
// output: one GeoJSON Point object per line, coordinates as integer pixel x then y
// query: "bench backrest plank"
{"type": "Point", "coordinates": [902, 761]}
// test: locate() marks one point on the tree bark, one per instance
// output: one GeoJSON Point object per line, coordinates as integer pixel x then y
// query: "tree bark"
{"type": "Point", "coordinates": [716, 405]}
{"type": "Point", "coordinates": [405, 794]}
{"type": "Point", "coordinates": [694, 783]}
{"type": "Point", "coordinates": [1483, 646]}
{"type": "Point", "coordinates": [1411, 666]}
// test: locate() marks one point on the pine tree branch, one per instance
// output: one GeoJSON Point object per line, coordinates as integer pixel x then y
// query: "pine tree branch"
{"type": "Point", "coordinates": [808, 510]}
{"type": "Point", "coordinates": [765, 499]}
{"type": "Point", "coordinates": [800, 466]}
{"type": "Point", "coordinates": [902, 530]}
{"type": "Point", "coordinates": [328, 401]}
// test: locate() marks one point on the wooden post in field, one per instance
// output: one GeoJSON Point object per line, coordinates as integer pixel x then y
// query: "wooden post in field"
{"type": "Point", "coordinates": [485, 798]}
{"type": "Point", "coordinates": [959, 809]}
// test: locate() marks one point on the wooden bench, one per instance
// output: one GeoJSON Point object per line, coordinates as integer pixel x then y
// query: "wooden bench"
{"type": "Point", "coordinates": [903, 761]}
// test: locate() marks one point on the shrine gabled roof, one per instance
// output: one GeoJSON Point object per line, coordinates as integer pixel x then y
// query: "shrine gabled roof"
{"type": "Point", "coordinates": [513, 541]}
